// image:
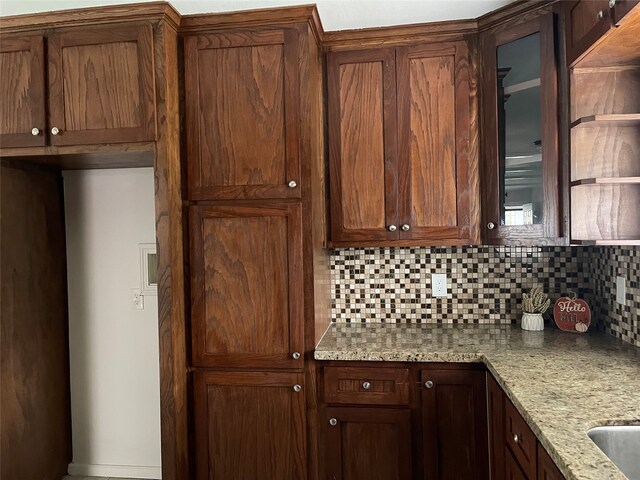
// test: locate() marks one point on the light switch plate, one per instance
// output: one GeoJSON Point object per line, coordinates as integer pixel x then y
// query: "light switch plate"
{"type": "Point", "coordinates": [621, 290]}
{"type": "Point", "coordinates": [439, 284]}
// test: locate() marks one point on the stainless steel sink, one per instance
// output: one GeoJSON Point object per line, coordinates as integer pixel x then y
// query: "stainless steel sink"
{"type": "Point", "coordinates": [621, 443]}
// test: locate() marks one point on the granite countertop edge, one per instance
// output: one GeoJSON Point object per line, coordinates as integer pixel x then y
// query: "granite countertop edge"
{"type": "Point", "coordinates": [582, 461]}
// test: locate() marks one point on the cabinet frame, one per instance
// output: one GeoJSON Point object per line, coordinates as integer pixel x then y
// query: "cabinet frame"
{"type": "Point", "coordinates": [550, 231]}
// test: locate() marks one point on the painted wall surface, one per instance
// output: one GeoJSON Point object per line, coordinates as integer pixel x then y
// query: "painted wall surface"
{"type": "Point", "coordinates": [115, 399]}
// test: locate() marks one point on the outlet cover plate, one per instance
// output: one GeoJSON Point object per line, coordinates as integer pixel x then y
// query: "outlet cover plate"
{"type": "Point", "coordinates": [439, 284]}
{"type": "Point", "coordinates": [621, 290]}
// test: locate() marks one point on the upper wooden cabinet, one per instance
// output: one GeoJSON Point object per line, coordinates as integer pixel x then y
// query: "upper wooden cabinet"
{"type": "Point", "coordinates": [243, 114]}
{"type": "Point", "coordinates": [521, 170]}
{"type": "Point", "coordinates": [246, 286]}
{"type": "Point", "coordinates": [587, 21]}
{"type": "Point", "coordinates": [402, 167]}
{"type": "Point", "coordinates": [100, 87]}
{"type": "Point", "coordinates": [22, 112]}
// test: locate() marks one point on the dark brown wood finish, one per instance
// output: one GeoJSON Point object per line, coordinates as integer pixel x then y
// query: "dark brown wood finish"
{"type": "Point", "coordinates": [454, 424]}
{"type": "Point", "coordinates": [369, 386]}
{"type": "Point", "coordinates": [243, 114]}
{"type": "Point", "coordinates": [250, 425]}
{"type": "Point", "coordinates": [621, 8]}
{"type": "Point", "coordinates": [22, 101]}
{"type": "Point", "coordinates": [35, 420]}
{"type": "Point", "coordinates": [586, 22]}
{"type": "Point", "coordinates": [512, 468]}
{"type": "Point", "coordinates": [520, 440]}
{"type": "Point", "coordinates": [362, 145]}
{"type": "Point", "coordinates": [101, 85]}
{"type": "Point", "coordinates": [550, 231]}
{"type": "Point", "coordinates": [246, 285]}
{"type": "Point", "coordinates": [547, 469]}
{"type": "Point", "coordinates": [367, 443]}
{"type": "Point", "coordinates": [495, 407]}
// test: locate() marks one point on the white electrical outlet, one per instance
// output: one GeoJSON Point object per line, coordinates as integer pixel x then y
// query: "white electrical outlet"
{"type": "Point", "coordinates": [137, 300]}
{"type": "Point", "coordinates": [621, 290]}
{"type": "Point", "coordinates": [439, 284]}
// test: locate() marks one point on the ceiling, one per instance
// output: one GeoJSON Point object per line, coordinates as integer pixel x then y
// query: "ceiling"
{"type": "Point", "coordinates": [335, 14]}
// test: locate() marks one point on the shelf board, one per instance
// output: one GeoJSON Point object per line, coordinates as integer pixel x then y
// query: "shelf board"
{"type": "Point", "coordinates": [606, 180]}
{"type": "Point", "coordinates": [619, 242]}
{"type": "Point", "coordinates": [612, 119]}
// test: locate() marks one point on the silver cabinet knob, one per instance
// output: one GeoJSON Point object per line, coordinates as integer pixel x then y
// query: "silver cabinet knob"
{"type": "Point", "coordinates": [366, 385]}
{"type": "Point", "coordinates": [491, 225]}
{"type": "Point", "coordinates": [516, 438]}
{"type": "Point", "coordinates": [55, 131]}
{"type": "Point", "coordinates": [35, 131]}
{"type": "Point", "coordinates": [292, 184]}
{"type": "Point", "coordinates": [333, 422]}
{"type": "Point", "coordinates": [405, 228]}
{"type": "Point", "coordinates": [428, 384]}
{"type": "Point", "coordinates": [612, 3]}
{"type": "Point", "coordinates": [600, 15]}
{"type": "Point", "coordinates": [296, 355]}
{"type": "Point", "coordinates": [297, 388]}
{"type": "Point", "coordinates": [392, 228]}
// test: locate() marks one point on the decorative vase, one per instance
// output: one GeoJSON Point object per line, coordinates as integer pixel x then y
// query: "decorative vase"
{"type": "Point", "coordinates": [532, 322]}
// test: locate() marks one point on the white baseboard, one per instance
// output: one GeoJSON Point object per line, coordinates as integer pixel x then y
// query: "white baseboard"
{"type": "Point", "coordinates": [124, 471]}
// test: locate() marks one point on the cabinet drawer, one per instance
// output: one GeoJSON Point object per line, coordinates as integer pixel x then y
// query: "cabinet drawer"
{"type": "Point", "coordinates": [368, 386]}
{"type": "Point", "coordinates": [521, 440]}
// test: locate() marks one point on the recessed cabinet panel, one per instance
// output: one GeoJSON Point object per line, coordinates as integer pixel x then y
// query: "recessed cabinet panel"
{"type": "Point", "coordinates": [246, 285]}
{"type": "Point", "coordinates": [101, 86]}
{"type": "Point", "coordinates": [250, 426]}
{"type": "Point", "coordinates": [22, 100]}
{"type": "Point", "coordinates": [242, 100]}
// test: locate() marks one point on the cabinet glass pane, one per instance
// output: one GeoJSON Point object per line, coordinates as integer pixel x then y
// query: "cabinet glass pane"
{"type": "Point", "coordinates": [519, 131]}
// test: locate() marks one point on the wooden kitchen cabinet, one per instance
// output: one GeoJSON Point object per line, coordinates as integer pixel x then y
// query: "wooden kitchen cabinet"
{"type": "Point", "coordinates": [100, 87]}
{"type": "Point", "coordinates": [243, 114]}
{"type": "Point", "coordinates": [22, 97]}
{"type": "Point", "coordinates": [495, 407]}
{"type": "Point", "coordinates": [454, 424]}
{"type": "Point", "coordinates": [547, 470]}
{"type": "Point", "coordinates": [365, 443]}
{"type": "Point", "coordinates": [249, 425]}
{"type": "Point", "coordinates": [521, 169]}
{"type": "Point", "coordinates": [246, 285]}
{"type": "Point", "coordinates": [402, 168]}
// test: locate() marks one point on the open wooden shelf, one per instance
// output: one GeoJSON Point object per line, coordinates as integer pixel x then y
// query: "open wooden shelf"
{"type": "Point", "coordinates": [615, 119]}
{"type": "Point", "coordinates": [605, 181]}
{"type": "Point", "coordinates": [615, 242]}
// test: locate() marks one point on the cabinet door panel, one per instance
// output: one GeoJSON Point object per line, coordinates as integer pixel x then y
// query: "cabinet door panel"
{"type": "Point", "coordinates": [512, 468]}
{"type": "Point", "coordinates": [585, 25]}
{"type": "Point", "coordinates": [547, 470]}
{"type": "Point", "coordinates": [101, 85]}
{"type": "Point", "coordinates": [367, 443]}
{"type": "Point", "coordinates": [454, 425]}
{"type": "Point", "coordinates": [23, 98]}
{"type": "Point", "coordinates": [249, 425]}
{"type": "Point", "coordinates": [362, 144]}
{"type": "Point", "coordinates": [434, 162]}
{"type": "Point", "coordinates": [242, 99]}
{"type": "Point", "coordinates": [495, 405]}
{"type": "Point", "coordinates": [246, 284]}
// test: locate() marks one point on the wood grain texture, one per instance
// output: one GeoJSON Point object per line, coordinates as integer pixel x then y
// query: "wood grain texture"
{"type": "Point", "coordinates": [607, 91]}
{"type": "Point", "coordinates": [605, 212]}
{"type": "Point", "coordinates": [101, 85]}
{"type": "Point", "coordinates": [246, 285]}
{"type": "Point", "coordinates": [387, 386]}
{"type": "Point", "coordinates": [605, 152]}
{"type": "Point", "coordinates": [454, 421]}
{"type": "Point", "coordinates": [250, 425]}
{"type": "Point", "coordinates": [524, 449]}
{"type": "Point", "coordinates": [362, 144]}
{"type": "Point", "coordinates": [35, 420]}
{"type": "Point", "coordinates": [547, 470]}
{"type": "Point", "coordinates": [621, 9]}
{"type": "Point", "coordinates": [243, 117]}
{"type": "Point", "coordinates": [22, 101]}
{"type": "Point", "coordinates": [367, 443]}
{"type": "Point", "coordinates": [495, 408]}
{"type": "Point", "coordinates": [584, 26]}
{"type": "Point", "coordinates": [512, 469]}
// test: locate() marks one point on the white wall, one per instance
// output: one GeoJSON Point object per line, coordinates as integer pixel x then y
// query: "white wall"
{"type": "Point", "coordinates": [115, 399]}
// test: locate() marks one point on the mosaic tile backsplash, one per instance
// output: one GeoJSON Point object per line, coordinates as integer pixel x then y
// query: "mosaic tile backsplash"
{"type": "Point", "coordinates": [485, 284]}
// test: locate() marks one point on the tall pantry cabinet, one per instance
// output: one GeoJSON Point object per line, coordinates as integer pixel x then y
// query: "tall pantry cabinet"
{"type": "Point", "coordinates": [258, 271]}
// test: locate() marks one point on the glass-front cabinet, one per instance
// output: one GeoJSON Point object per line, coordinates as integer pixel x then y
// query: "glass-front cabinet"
{"type": "Point", "coordinates": [521, 202]}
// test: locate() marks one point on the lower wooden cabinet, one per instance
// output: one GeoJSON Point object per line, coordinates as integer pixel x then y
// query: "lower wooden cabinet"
{"type": "Point", "coordinates": [454, 424]}
{"type": "Point", "coordinates": [249, 425]}
{"type": "Point", "coordinates": [365, 443]}
{"type": "Point", "coordinates": [547, 470]}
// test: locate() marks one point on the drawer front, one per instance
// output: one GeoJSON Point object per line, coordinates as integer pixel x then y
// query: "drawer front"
{"type": "Point", "coordinates": [366, 386]}
{"type": "Point", "coordinates": [512, 468]}
{"type": "Point", "coordinates": [521, 440]}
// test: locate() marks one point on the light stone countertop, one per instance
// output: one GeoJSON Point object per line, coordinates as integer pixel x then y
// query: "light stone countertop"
{"type": "Point", "coordinates": [562, 383]}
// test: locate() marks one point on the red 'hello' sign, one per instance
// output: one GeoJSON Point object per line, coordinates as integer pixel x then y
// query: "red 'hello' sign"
{"type": "Point", "coordinates": [572, 315]}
